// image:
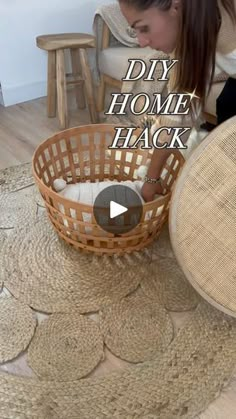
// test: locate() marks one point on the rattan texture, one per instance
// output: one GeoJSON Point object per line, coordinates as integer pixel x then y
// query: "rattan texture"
{"type": "Point", "coordinates": [193, 370]}
{"type": "Point", "coordinates": [17, 326]}
{"type": "Point", "coordinates": [202, 220]}
{"type": "Point", "coordinates": [169, 286]}
{"type": "Point", "coordinates": [136, 329]}
{"type": "Point", "coordinates": [65, 347]}
{"type": "Point", "coordinates": [80, 154]}
{"type": "Point", "coordinates": [15, 212]}
{"type": "Point", "coordinates": [16, 178]}
{"type": "Point", "coordinates": [51, 276]}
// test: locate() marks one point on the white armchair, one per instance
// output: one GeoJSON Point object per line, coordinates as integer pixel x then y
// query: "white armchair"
{"type": "Point", "coordinates": [115, 45]}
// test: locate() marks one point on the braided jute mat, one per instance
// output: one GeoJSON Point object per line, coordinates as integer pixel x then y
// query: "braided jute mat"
{"type": "Point", "coordinates": [76, 280]}
{"type": "Point", "coordinates": [2, 238]}
{"type": "Point", "coordinates": [65, 347]}
{"type": "Point", "coordinates": [177, 294]}
{"type": "Point", "coordinates": [136, 328]}
{"type": "Point", "coordinates": [179, 384]}
{"type": "Point", "coordinates": [17, 325]}
{"type": "Point", "coordinates": [16, 212]}
{"type": "Point", "coordinates": [162, 247]}
{"type": "Point", "coordinates": [51, 276]}
{"type": "Point", "coordinates": [34, 195]}
{"type": "Point", "coordinates": [15, 178]}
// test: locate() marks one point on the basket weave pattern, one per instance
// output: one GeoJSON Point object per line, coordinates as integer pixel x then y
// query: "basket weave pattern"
{"type": "Point", "coordinates": [80, 155]}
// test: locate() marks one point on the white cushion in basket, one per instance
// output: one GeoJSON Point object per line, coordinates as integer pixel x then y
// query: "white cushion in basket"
{"type": "Point", "coordinates": [86, 193]}
{"type": "Point", "coordinates": [114, 61]}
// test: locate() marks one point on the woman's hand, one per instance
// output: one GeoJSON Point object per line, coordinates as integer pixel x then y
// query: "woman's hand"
{"type": "Point", "coordinates": [149, 190]}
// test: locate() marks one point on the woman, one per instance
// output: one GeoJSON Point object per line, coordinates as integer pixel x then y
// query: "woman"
{"type": "Point", "coordinates": [201, 34]}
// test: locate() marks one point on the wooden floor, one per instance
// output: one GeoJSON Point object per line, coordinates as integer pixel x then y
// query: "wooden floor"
{"type": "Point", "coordinates": [22, 128]}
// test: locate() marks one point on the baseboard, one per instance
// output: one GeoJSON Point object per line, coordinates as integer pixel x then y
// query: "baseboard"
{"type": "Point", "coordinates": [22, 93]}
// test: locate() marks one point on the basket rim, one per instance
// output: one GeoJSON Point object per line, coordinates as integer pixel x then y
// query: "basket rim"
{"type": "Point", "coordinates": [81, 205]}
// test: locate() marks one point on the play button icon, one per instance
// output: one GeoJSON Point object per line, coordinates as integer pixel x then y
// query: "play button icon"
{"type": "Point", "coordinates": [118, 209]}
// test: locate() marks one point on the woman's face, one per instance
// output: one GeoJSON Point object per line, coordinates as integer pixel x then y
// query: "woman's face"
{"type": "Point", "coordinates": [155, 28]}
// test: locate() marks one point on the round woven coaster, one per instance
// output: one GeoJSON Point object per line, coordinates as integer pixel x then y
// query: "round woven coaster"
{"type": "Point", "coordinates": [136, 328]}
{"type": "Point", "coordinates": [178, 294]}
{"type": "Point", "coordinates": [15, 211]}
{"type": "Point", "coordinates": [15, 178]}
{"type": "Point", "coordinates": [40, 269]}
{"type": "Point", "coordinates": [17, 325]}
{"type": "Point", "coordinates": [65, 347]}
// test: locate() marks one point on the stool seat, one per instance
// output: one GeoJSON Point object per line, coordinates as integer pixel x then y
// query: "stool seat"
{"type": "Point", "coordinates": [58, 80]}
{"type": "Point", "coordinates": [65, 40]}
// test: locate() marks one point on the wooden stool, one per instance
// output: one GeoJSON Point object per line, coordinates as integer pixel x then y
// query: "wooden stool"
{"type": "Point", "coordinates": [57, 78]}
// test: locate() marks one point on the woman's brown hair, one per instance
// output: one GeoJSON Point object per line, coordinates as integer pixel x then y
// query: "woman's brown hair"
{"type": "Point", "coordinates": [196, 47]}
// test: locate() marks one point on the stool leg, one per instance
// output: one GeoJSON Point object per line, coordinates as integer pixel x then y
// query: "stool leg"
{"type": "Point", "coordinates": [89, 89]}
{"type": "Point", "coordinates": [101, 94]}
{"type": "Point", "coordinates": [51, 88]}
{"type": "Point", "coordinates": [76, 70]}
{"type": "Point", "coordinates": [61, 90]}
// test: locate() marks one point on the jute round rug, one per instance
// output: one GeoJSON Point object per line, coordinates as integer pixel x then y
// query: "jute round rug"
{"type": "Point", "coordinates": [15, 178]}
{"type": "Point", "coordinates": [65, 347]}
{"type": "Point", "coordinates": [15, 212]}
{"type": "Point", "coordinates": [2, 238]}
{"type": "Point", "coordinates": [179, 384]}
{"type": "Point", "coordinates": [34, 195]}
{"type": "Point", "coordinates": [17, 325]}
{"type": "Point", "coordinates": [51, 276]}
{"type": "Point", "coordinates": [37, 196]}
{"type": "Point", "coordinates": [162, 246]}
{"type": "Point", "coordinates": [178, 294]}
{"type": "Point", "coordinates": [136, 328]}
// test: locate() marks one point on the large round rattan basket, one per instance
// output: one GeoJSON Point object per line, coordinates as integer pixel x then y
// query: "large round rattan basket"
{"type": "Point", "coordinates": [81, 155]}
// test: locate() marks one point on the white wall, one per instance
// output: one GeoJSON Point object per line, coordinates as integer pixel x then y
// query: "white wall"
{"type": "Point", "coordinates": [23, 66]}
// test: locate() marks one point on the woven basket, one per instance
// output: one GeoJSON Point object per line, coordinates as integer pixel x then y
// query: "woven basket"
{"type": "Point", "coordinates": [80, 155]}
